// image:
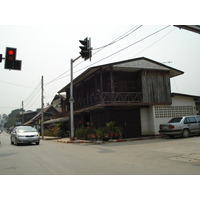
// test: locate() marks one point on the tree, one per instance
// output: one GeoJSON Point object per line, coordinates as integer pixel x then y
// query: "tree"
{"type": "Point", "coordinates": [12, 118]}
{"type": "Point", "coordinates": [4, 117]}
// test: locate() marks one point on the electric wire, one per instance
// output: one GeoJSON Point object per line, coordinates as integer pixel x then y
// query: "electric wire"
{"type": "Point", "coordinates": [117, 51]}
{"type": "Point", "coordinates": [120, 50]}
{"type": "Point", "coordinates": [57, 78]}
{"type": "Point", "coordinates": [120, 38]}
{"type": "Point", "coordinates": [154, 42]}
{"type": "Point", "coordinates": [15, 84]}
{"type": "Point", "coordinates": [33, 102]}
{"type": "Point", "coordinates": [100, 48]}
{"type": "Point", "coordinates": [32, 93]}
{"type": "Point", "coordinates": [31, 97]}
{"type": "Point", "coordinates": [26, 104]}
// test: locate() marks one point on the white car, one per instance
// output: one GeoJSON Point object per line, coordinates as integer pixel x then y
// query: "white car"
{"type": "Point", "coordinates": [183, 126]}
{"type": "Point", "coordinates": [24, 134]}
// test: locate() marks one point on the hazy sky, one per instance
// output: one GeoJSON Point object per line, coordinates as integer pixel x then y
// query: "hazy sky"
{"type": "Point", "coordinates": [46, 35]}
{"type": "Point", "coordinates": [47, 38]}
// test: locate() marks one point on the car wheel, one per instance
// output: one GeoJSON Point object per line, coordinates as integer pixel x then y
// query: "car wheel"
{"type": "Point", "coordinates": [16, 143]}
{"type": "Point", "coordinates": [11, 141]}
{"type": "Point", "coordinates": [185, 133]}
{"type": "Point", "coordinates": [37, 143]}
{"type": "Point", "coordinates": [171, 136]}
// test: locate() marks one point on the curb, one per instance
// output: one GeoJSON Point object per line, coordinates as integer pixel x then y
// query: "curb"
{"type": "Point", "coordinates": [50, 138]}
{"type": "Point", "coordinates": [111, 140]}
{"type": "Point", "coordinates": [80, 141]}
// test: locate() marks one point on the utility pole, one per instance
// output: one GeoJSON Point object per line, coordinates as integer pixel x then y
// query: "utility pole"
{"type": "Point", "coordinates": [42, 108]}
{"type": "Point", "coordinates": [22, 113]}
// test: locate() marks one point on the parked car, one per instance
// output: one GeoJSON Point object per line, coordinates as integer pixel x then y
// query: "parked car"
{"type": "Point", "coordinates": [183, 126]}
{"type": "Point", "coordinates": [24, 134]}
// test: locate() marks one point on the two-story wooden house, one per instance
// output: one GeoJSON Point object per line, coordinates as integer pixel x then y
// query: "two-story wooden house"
{"type": "Point", "coordinates": [123, 92]}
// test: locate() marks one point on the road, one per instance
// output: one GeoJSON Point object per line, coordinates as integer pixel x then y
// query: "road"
{"type": "Point", "coordinates": [146, 157]}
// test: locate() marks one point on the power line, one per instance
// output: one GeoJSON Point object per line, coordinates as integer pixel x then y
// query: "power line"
{"type": "Point", "coordinates": [57, 78]}
{"type": "Point", "coordinates": [32, 93]}
{"type": "Point", "coordinates": [155, 42]}
{"type": "Point", "coordinates": [124, 48]}
{"type": "Point", "coordinates": [119, 50]}
{"type": "Point", "coordinates": [120, 38]}
{"type": "Point", "coordinates": [100, 48]}
{"type": "Point", "coordinates": [15, 84]}
{"type": "Point", "coordinates": [32, 98]}
{"type": "Point", "coordinates": [34, 101]}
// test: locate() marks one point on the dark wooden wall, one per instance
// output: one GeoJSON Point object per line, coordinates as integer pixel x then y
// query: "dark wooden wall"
{"type": "Point", "coordinates": [156, 87]}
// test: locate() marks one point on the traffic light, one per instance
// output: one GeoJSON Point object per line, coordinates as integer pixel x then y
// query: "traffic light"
{"type": "Point", "coordinates": [0, 58]}
{"type": "Point", "coordinates": [10, 59]}
{"type": "Point", "coordinates": [17, 65]}
{"type": "Point", "coordinates": [86, 50]}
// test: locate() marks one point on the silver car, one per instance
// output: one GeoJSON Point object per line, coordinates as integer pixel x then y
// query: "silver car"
{"type": "Point", "coordinates": [183, 126]}
{"type": "Point", "coordinates": [24, 134]}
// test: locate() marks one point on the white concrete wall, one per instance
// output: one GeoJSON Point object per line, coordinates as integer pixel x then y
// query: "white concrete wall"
{"type": "Point", "coordinates": [147, 121]}
{"type": "Point", "coordinates": [186, 103]}
{"type": "Point", "coordinates": [151, 118]}
{"type": "Point", "coordinates": [183, 101]}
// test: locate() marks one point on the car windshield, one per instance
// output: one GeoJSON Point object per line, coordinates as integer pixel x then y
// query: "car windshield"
{"type": "Point", "coordinates": [175, 120]}
{"type": "Point", "coordinates": [26, 129]}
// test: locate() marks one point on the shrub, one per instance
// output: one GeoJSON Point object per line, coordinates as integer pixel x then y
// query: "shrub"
{"type": "Point", "coordinates": [80, 132]}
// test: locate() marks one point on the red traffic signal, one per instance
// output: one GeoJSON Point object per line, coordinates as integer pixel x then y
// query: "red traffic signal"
{"type": "Point", "coordinates": [11, 52]}
{"type": "Point", "coordinates": [10, 57]}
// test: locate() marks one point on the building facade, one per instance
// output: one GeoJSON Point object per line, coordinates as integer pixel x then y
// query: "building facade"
{"type": "Point", "coordinates": [130, 92]}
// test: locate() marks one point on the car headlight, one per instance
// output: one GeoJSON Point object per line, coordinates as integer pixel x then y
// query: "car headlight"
{"type": "Point", "coordinates": [20, 135]}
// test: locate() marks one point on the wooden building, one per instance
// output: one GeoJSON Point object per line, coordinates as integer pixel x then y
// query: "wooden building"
{"type": "Point", "coordinates": [122, 92]}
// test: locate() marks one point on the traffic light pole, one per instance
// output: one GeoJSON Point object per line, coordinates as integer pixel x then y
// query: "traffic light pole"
{"type": "Point", "coordinates": [86, 52]}
{"type": "Point", "coordinates": [71, 100]}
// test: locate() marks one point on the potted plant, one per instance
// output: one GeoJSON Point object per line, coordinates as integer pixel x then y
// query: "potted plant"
{"type": "Point", "coordinates": [90, 132]}
{"type": "Point", "coordinates": [118, 132]}
{"type": "Point", "coordinates": [110, 128]}
{"type": "Point", "coordinates": [80, 133]}
{"type": "Point", "coordinates": [99, 132]}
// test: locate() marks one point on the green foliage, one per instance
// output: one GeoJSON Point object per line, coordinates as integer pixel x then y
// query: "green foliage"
{"type": "Point", "coordinates": [100, 131]}
{"type": "Point", "coordinates": [54, 131]}
{"type": "Point", "coordinates": [80, 132]}
{"type": "Point", "coordinates": [110, 127]}
{"type": "Point", "coordinates": [118, 130]}
{"type": "Point", "coordinates": [85, 132]}
{"type": "Point", "coordinates": [12, 118]}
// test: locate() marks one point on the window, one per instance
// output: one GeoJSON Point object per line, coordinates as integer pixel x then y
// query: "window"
{"type": "Point", "coordinates": [192, 120]}
{"type": "Point", "coordinates": [198, 119]}
{"type": "Point", "coordinates": [175, 120]}
{"type": "Point", "coordinates": [186, 121]}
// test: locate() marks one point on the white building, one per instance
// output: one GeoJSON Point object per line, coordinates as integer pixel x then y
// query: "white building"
{"type": "Point", "coordinates": [182, 105]}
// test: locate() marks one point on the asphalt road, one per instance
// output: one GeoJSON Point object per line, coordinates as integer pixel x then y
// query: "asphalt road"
{"type": "Point", "coordinates": [162, 156]}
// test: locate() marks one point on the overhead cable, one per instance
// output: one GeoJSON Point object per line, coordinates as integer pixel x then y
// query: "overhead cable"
{"type": "Point", "coordinates": [100, 48]}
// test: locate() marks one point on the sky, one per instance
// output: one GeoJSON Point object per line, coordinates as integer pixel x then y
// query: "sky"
{"type": "Point", "coordinates": [48, 38]}
{"type": "Point", "coordinates": [47, 33]}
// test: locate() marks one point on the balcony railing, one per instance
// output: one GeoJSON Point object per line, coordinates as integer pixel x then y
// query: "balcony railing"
{"type": "Point", "coordinates": [109, 97]}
